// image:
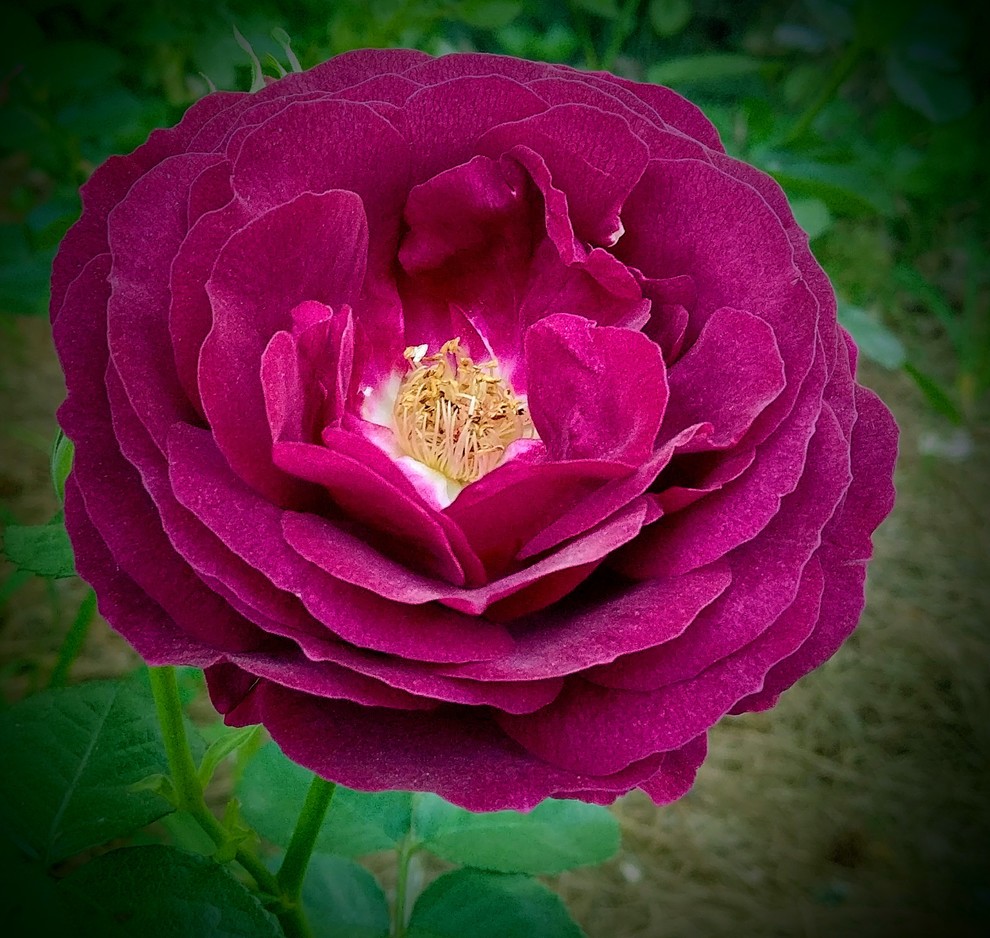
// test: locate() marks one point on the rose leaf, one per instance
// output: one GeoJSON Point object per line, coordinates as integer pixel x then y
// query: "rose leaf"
{"type": "Point", "coordinates": [157, 891]}
{"type": "Point", "coordinates": [555, 836]}
{"type": "Point", "coordinates": [490, 905]}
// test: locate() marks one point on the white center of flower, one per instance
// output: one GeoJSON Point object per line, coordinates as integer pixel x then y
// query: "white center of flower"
{"type": "Point", "coordinates": [454, 416]}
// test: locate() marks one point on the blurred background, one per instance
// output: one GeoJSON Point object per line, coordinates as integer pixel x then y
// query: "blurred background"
{"type": "Point", "coordinates": [859, 806]}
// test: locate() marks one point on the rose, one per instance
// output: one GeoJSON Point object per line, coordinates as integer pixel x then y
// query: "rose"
{"type": "Point", "coordinates": [544, 559]}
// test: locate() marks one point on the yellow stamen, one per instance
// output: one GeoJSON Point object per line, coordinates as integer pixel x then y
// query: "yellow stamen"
{"type": "Point", "coordinates": [455, 416]}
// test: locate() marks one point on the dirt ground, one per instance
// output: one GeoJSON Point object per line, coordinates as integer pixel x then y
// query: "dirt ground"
{"type": "Point", "coordinates": [858, 807]}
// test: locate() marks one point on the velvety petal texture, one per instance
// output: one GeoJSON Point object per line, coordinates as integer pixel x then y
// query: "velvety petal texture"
{"type": "Point", "coordinates": [478, 425]}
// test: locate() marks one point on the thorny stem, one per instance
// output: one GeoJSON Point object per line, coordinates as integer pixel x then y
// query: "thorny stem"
{"type": "Point", "coordinates": [189, 797]}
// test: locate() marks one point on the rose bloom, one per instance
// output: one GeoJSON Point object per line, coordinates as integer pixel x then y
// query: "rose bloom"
{"type": "Point", "coordinates": [477, 424]}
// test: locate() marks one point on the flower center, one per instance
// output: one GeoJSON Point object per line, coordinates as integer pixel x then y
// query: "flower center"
{"type": "Point", "coordinates": [455, 416]}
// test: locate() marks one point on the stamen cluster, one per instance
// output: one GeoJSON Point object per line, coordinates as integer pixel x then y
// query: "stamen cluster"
{"type": "Point", "coordinates": [456, 416]}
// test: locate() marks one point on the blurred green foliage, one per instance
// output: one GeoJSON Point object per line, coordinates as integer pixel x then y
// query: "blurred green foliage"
{"type": "Point", "coordinates": [866, 112]}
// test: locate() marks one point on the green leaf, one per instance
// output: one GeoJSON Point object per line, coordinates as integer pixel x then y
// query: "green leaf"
{"type": "Point", "coordinates": [875, 340]}
{"type": "Point", "coordinates": [846, 190]}
{"type": "Point", "coordinates": [937, 397]}
{"type": "Point", "coordinates": [49, 221]}
{"type": "Point", "coordinates": [490, 905]}
{"type": "Point", "coordinates": [273, 788]}
{"type": "Point", "coordinates": [29, 901]}
{"type": "Point", "coordinates": [669, 17]}
{"type": "Point", "coordinates": [555, 836]}
{"type": "Point", "coordinates": [812, 215]}
{"type": "Point", "coordinates": [24, 273]}
{"type": "Point", "coordinates": [220, 748]}
{"type": "Point", "coordinates": [161, 892]}
{"type": "Point", "coordinates": [703, 69]}
{"type": "Point", "coordinates": [68, 67]}
{"type": "Point", "coordinates": [486, 14]}
{"type": "Point", "coordinates": [607, 9]}
{"type": "Point", "coordinates": [43, 549]}
{"type": "Point", "coordinates": [70, 757]}
{"type": "Point", "coordinates": [60, 465]}
{"type": "Point", "coordinates": [343, 900]}
{"type": "Point", "coordinates": [939, 95]}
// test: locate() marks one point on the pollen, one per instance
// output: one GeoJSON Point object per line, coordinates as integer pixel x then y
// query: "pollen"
{"type": "Point", "coordinates": [455, 416]}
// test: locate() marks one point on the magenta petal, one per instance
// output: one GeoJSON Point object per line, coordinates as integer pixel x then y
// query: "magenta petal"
{"type": "Point", "coordinates": [766, 574]}
{"type": "Point", "coordinates": [593, 157]}
{"type": "Point", "coordinates": [322, 679]}
{"type": "Point", "coordinates": [677, 772]}
{"type": "Point", "coordinates": [110, 182]}
{"type": "Point", "coordinates": [444, 121]}
{"type": "Point", "coordinates": [741, 347]}
{"type": "Point", "coordinates": [590, 631]}
{"type": "Point", "coordinates": [601, 730]}
{"type": "Point", "coordinates": [206, 486]}
{"type": "Point", "coordinates": [133, 613]}
{"type": "Point", "coordinates": [320, 242]}
{"type": "Point", "coordinates": [741, 509]}
{"type": "Point", "coordinates": [396, 519]}
{"type": "Point", "coordinates": [137, 330]}
{"type": "Point", "coordinates": [595, 392]}
{"type": "Point", "coordinates": [458, 754]}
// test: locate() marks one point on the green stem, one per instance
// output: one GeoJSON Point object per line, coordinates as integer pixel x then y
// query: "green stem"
{"type": "Point", "coordinates": [621, 30]}
{"type": "Point", "coordinates": [189, 797]}
{"type": "Point", "coordinates": [840, 72]}
{"type": "Point", "coordinates": [407, 849]}
{"type": "Point", "coordinates": [583, 30]}
{"type": "Point", "coordinates": [293, 869]}
{"type": "Point", "coordinates": [74, 640]}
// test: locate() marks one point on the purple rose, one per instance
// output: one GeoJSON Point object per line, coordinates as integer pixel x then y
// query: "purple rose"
{"type": "Point", "coordinates": [478, 424]}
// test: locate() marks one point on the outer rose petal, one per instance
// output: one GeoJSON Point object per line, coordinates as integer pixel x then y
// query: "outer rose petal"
{"type": "Point", "coordinates": [687, 537]}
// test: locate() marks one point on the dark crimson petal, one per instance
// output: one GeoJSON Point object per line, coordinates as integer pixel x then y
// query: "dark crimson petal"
{"type": "Point", "coordinates": [110, 182]}
{"type": "Point", "coordinates": [598, 626]}
{"type": "Point", "coordinates": [687, 217]}
{"type": "Point", "coordinates": [139, 280]}
{"type": "Point", "coordinates": [766, 573]}
{"type": "Point", "coordinates": [370, 158]}
{"type": "Point", "coordinates": [348, 558]}
{"type": "Point", "coordinates": [323, 679]}
{"type": "Point", "coordinates": [595, 392]}
{"type": "Point", "coordinates": [677, 771]}
{"type": "Point", "coordinates": [362, 682]}
{"type": "Point", "coordinates": [579, 88]}
{"type": "Point", "coordinates": [671, 107]}
{"type": "Point", "coordinates": [190, 315]}
{"type": "Point", "coordinates": [733, 342]}
{"type": "Point", "coordinates": [395, 517]}
{"type": "Point", "coordinates": [133, 613]}
{"type": "Point", "coordinates": [457, 753]}
{"type": "Point", "coordinates": [740, 510]}
{"type": "Point", "coordinates": [599, 730]}
{"type": "Point", "coordinates": [600, 503]}
{"type": "Point", "coordinates": [548, 489]}
{"type": "Point", "coordinates": [444, 122]}
{"type": "Point", "coordinates": [320, 243]}
{"type": "Point", "coordinates": [116, 502]}
{"type": "Point", "coordinates": [846, 547]}
{"type": "Point", "coordinates": [351, 68]}
{"type": "Point", "coordinates": [205, 485]}
{"type": "Point", "coordinates": [593, 156]}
